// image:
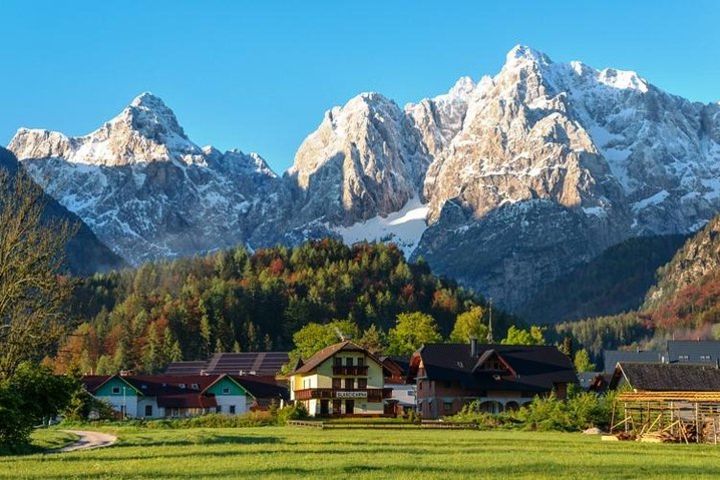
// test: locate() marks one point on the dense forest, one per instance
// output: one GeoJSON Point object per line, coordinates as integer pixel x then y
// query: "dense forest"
{"type": "Point", "coordinates": [235, 300]}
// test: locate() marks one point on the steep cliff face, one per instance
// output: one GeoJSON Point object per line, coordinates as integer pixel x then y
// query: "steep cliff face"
{"type": "Point", "coordinates": [365, 159]}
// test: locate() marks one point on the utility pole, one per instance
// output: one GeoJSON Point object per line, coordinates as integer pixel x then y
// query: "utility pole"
{"type": "Point", "coordinates": [490, 331]}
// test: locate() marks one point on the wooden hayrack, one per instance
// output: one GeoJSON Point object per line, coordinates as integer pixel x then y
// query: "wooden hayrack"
{"type": "Point", "coordinates": [687, 417]}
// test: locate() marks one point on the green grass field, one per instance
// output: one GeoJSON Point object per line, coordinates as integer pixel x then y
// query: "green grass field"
{"type": "Point", "coordinates": [292, 452]}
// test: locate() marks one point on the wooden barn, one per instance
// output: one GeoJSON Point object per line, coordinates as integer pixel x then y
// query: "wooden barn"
{"type": "Point", "coordinates": [667, 402]}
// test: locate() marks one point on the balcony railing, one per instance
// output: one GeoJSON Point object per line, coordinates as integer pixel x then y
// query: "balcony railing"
{"type": "Point", "coordinates": [369, 394]}
{"type": "Point", "coordinates": [350, 370]}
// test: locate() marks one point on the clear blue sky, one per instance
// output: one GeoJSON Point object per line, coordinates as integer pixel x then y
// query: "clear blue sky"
{"type": "Point", "coordinates": [259, 75]}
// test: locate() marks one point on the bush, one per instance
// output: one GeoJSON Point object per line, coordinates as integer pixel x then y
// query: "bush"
{"type": "Point", "coordinates": [580, 411]}
{"type": "Point", "coordinates": [296, 411]}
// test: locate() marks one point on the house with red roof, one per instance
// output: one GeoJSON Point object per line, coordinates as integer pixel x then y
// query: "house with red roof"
{"type": "Point", "coordinates": [161, 396]}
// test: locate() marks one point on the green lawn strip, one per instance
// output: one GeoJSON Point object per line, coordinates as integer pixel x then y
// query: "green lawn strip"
{"type": "Point", "coordinates": [44, 440]}
{"type": "Point", "coordinates": [282, 452]}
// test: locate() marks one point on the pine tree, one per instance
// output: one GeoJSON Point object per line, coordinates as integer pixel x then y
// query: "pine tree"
{"type": "Point", "coordinates": [171, 347]}
{"type": "Point", "coordinates": [151, 351]}
{"type": "Point", "coordinates": [205, 336]}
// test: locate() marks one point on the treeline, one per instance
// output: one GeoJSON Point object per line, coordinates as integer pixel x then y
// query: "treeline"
{"type": "Point", "coordinates": [235, 300]}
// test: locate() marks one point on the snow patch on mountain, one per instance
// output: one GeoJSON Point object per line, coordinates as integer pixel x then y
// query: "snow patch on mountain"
{"type": "Point", "coordinates": [404, 227]}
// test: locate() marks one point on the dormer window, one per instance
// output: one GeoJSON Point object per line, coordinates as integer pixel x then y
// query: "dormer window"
{"type": "Point", "coordinates": [195, 386]}
{"type": "Point", "coordinates": [181, 385]}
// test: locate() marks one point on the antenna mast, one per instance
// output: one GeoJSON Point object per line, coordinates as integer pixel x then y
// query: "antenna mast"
{"type": "Point", "coordinates": [490, 331]}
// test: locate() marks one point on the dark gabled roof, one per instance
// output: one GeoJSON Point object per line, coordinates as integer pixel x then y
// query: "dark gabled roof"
{"type": "Point", "coordinates": [536, 368]}
{"type": "Point", "coordinates": [262, 387]}
{"type": "Point", "coordinates": [705, 351]}
{"type": "Point", "coordinates": [346, 346]}
{"type": "Point", "coordinates": [613, 357]}
{"type": "Point", "coordinates": [259, 363]}
{"type": "Point", "coordinates": [672, 377]}
{"type": "Point", "coordinates": [186, 368]}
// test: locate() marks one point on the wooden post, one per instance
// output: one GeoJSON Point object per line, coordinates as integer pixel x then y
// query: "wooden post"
{"type": "Point", "coordinates": [625, 413]}
{"type": "Point", "coordinates": [697, 424]}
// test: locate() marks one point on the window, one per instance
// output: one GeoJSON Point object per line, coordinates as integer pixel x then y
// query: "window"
{"type": "Point", "coordinates": [683, 358]}
{"type": "Point", "coordinates": [181, 385]}
{"type": "Point", "coordinates": [218, 409]}
{"type": "Point", "coordinates": [232, 409]}
{"type": "Point", "coordinates": [195, 386]}
{"type": "Point", "coordinates": [116, 390]}
{"type": "Point", "coordinates": [360, 362]}
{"type": "Point", "coordinates": [349, 362]}
{"type": "Point", "coordinates": [337, 361]}
{"type": "Point", "coordinates": [411, 393]}
{"type": "Point", "coordinates": [447, 407]}
{"type": "Point", "coordinates": [226, 390]}
{"type": "Point", "coordinates": [336, 383]}
{"type": "Point", "coordinates": [705, 358]}
{"type": "Point", "coordinates": [349, 383]}
{"type": "Point", "coordinates": [148, 411]}
{"type": "Point", "coordinates": [362, 383]}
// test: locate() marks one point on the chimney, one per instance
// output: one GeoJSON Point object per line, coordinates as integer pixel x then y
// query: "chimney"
{"type": "Point", "coordinates": [473, 347]}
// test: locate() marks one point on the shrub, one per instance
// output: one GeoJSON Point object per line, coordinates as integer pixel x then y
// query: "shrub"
{"type": "Point", "coordinates": [580, 411]}
{"type": "Point", "coordinates": [296, 411]}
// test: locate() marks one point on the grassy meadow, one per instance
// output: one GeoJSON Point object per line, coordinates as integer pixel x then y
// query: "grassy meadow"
{"type": "Point", "coordinates": [293, 452]}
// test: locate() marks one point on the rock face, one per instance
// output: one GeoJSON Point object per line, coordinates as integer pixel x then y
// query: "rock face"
{"type": "Point", "coordinates": [520, 177]}
{"type": "Point", "coordinates": [85, 254]}
{"type": "Point", "coordinates": [365, 159]}
{"type": "Point", "coordinates": [145, 189]}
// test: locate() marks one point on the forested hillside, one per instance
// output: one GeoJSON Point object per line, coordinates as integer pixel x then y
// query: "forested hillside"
{"type": "Point", "coordinates": [614, 282]}
{"type": "Point", "coordinates": [683, 303]}
{"type": "Point", "coordinates": [233, 300]}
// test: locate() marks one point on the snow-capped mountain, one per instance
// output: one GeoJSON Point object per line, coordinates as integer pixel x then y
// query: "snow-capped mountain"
{"type": "Point", "coordinates": [504, 183]}
{"type": "Point", "coordinates": [145, 189]}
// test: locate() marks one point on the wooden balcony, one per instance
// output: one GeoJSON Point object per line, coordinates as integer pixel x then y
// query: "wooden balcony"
{"type": "Point", "coordinates": [350, 370]}
{"type": "Point", "coordinates": [369, 394]}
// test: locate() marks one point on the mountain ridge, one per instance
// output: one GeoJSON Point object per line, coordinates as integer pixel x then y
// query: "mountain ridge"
{"type": "Point", "coordinates": [521, 176]}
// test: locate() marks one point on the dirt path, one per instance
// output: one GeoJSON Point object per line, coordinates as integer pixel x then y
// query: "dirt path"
{"type": "Point", "coordinates": [88, 440]}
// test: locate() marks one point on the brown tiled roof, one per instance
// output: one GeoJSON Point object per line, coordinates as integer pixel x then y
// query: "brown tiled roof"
{"type": "Point", "coordinates": [327, 352]}
{"type": "Point", "coordinates": [669, 377]}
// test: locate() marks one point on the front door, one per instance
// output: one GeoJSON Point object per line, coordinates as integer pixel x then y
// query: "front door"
{"type": "Point", "coordinates": [336, 407]}
{"type": "Point", "coordinates": [324, 408]}
{"type": "Point", "coordinates": [349, 407]}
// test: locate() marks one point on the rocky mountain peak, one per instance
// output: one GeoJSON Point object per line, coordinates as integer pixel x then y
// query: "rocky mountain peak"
{"type": "Point", "coordinates": [522, 55]}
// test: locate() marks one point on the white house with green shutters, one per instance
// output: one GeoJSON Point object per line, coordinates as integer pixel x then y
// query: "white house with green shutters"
{"type": "Point", "coordinates": [161, 396]}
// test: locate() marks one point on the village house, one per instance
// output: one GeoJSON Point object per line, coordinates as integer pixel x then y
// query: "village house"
{"type": "Point", "coordinates": [160, 396]}
{"type": "Point", "coordinates": [501, 377]}
{"type": "Point", "coordinates": [342, 379]}
{"type": "Point", "coordinates": [402, 392]}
